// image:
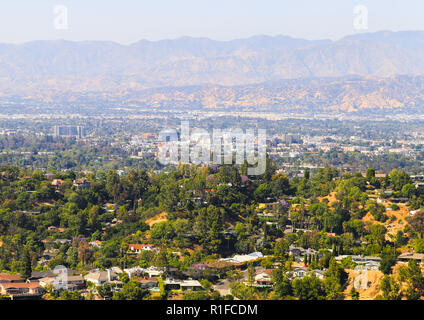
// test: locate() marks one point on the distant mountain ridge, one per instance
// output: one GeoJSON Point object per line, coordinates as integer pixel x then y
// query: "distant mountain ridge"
{"type": "Point", "coordinates": [349, 94]}
{"type": "Point", "coordinates": [346, 94]}
{"type": "Point", "coordinates": [54, 68]}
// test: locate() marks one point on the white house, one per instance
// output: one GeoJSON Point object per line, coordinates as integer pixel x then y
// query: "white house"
{"type": "Point", "coordinates": [101, 277]}
{"type": "Point", "coordinates": [138, 248]}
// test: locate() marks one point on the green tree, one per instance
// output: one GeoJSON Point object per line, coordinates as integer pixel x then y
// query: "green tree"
{"type": "Point", "coordinates": [308, 288]}
{"type": "Point", "coordinates": [130, 291]}
{"type": "Point", "coordinates": [354, 294]}
{"type": "Point", "coordinates": [282, 285]}
{"type": "Point", "coordinates": [251, 274]}
{"type": "Point", "coordinates": [370, 175]}
{"type": "Point", "coordinates": [242, 291]}
{"type": "Point", "coordinates": [419, 245]}
{"type": "Point", "coordinates": [416, 222]}
{"type": "Point", "coordinates": [398, 179]}
{"type": "Point", "coordinates": [335, 281]}
{"type": "Point", "coordinates": [378, 234]}
{"type": "Point", "coordinates": [390, 288]}
{"type": "Point", "coordinates": [414, 278]}
{"type": "Point", "coordinates": [388, 260]}
{"type": "Point", "coordinates": [105, 291]}
{"type": "Point", "coordinates": [281, 250]}
{"type": "Point", "coordinates": [208, 225]}
{"type": "Point", "coordinates": [27, 265]}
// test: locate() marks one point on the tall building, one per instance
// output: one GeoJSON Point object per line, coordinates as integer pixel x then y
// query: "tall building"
{"type": "Point", "coordinates": [69, 131]}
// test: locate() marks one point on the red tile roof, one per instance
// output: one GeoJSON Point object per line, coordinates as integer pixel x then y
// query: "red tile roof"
{"type": "Point", "coordinates": [30, 285]}
{"type": "Point", "coordinates": [139, 246]}
{"type": "Point", "coordinates": [10, 276]}
{"type": "Point", "coordinates": [145, 280]}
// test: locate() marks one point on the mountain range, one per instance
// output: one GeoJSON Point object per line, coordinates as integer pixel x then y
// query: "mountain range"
{"type": "Point", "coordinates": [366, 70]}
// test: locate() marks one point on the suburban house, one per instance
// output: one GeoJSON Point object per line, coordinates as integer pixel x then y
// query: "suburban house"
{"type": "Point", "coordinates": [405, 257]}
{"type": "Point", "coordinates": [360, 259]}
{"type": "Point", "coordinates": [299, 252]}
{"type": "Point", "coordinates": [21, 289]}
{"type": "Point", "coordinates": [73, 282]}
{"type": "Point", "coordinates": [37, 275]}
{"type": "Point", "coordinates": [244, 258]}
{"type": "Point", "coordinates": [225, 265]}
{"type": "Point", "coordinates": [57, 183]}
{"type": "Point", "coordinates": [147, 283]}
{"type": "Point", "coordinates": [267, 209]}
{"type": "Point", "coordinates": [184, 285]}
{"type": "Point", "coordinates": [370, 265]}
{"type": "Point", "coordinates": [264, 278]}
{"type": "Point", "coordinates": [190, 285]}
{"type": "Point", "coordinates": [295, 251]}
{"type": "Point", "coordinates": [289, 229]}
{"type": "Point", "coordinates": [95, 244]}
{"type": "Point", "coordinates": [82, 184]}
{"type": "Point", "coordinates": [101, 277]}
{"type": "Point", "coordinates": [110, 207]}
{"type": "Point", "coordinates": [117, 270]}
{"type": "Point", "coordinates": [138, 248]}
{"type": "Point", "coordinates": [136, 272]}
{"type": "Point", "coordinates": [10, 278]}
{"type": "Point", "coordinates": [300, 272]}
{"type": "Point", "coordinates": [62, 241]}
{"type": "Point", "coordinates": [318, 273]}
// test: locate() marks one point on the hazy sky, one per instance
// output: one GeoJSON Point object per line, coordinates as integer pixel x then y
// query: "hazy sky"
{"type": "Point", "coordinates": [127, 21]}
